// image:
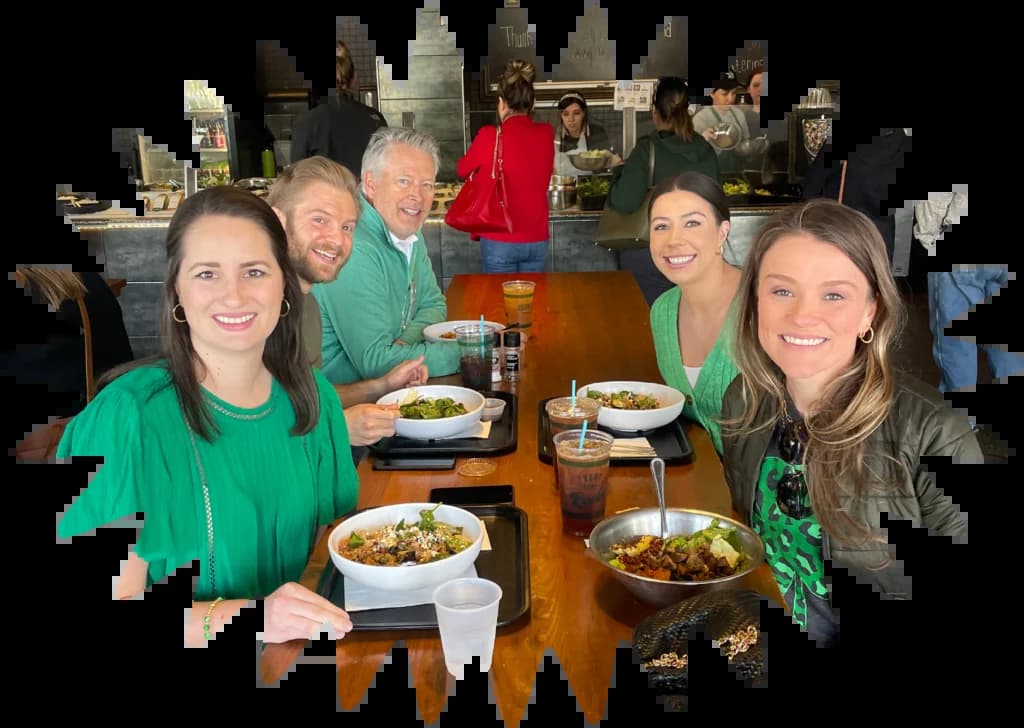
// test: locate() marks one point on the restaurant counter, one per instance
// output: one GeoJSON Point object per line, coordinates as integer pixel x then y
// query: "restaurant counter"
{"type": "Point", "coordinates": [132, 247]}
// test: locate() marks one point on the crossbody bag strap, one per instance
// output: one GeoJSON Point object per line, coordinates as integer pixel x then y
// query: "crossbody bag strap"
{"type": "Point", "coordinates": [496, 160]}
{"type": "Point", "coordinates": [842, 182]}
{"type": "Point", "coordinates": [650, 176]}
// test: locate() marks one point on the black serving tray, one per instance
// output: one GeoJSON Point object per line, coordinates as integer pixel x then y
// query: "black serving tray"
{"type": "Point", "coordinates": [670, 441]}
{"type": "Point", "coordinates": [507, 564]}
{"type": "Point", "coordinates": [503, 438]}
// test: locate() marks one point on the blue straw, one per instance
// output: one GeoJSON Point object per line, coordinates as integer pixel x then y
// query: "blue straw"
{"type": "Point", "coordinates": [483, 337]}
{"type": "Point", "coordinates": [583, 435]}
{"type": "Point", "coordinates": [573, 399]}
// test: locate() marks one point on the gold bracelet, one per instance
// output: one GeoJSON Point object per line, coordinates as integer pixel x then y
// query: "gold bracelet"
{"type": "Point", "coordinates": [206, 619]}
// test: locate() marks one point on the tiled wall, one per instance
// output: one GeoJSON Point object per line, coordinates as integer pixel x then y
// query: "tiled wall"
{"type": "Point", "coordinates": [138, 256]}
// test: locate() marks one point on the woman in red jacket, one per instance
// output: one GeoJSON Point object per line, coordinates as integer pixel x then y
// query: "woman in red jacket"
{"type": "Point", "coordinates": [528, 158]}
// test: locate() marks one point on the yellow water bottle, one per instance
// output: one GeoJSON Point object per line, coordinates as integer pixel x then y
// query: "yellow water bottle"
{"type": "Point", "coordinates": [269, 164]}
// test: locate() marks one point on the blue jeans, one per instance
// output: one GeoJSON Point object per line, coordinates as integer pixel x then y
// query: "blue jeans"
{"type": "Point", "coordinates": [950, 296]}
{"type": "Point", "coordinates": [501, 257]}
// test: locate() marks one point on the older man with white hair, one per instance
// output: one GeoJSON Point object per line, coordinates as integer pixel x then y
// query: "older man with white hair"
{"type": "Point", "coordinates": [374, 313]}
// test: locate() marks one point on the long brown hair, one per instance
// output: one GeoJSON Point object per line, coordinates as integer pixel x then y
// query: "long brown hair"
{"type": "Point", "coordinates": [851, 407]}
{"type": "Point", "coordinates": [672, 100]}
{"type": "Point", "coordinates": [283, 353]}
{"type": "Point", "coordinates": [344, 72]}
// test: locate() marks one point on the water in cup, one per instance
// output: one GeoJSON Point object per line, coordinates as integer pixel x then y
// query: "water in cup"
{"type": "Point", "coordinates": [467, 618]}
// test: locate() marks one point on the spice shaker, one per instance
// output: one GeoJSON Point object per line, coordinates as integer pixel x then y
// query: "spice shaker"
{"type": "Point", "coordinates": [513, 356]}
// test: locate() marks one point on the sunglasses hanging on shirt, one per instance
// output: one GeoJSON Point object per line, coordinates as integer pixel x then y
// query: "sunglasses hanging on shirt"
{"type": "Point", "coordinates": [791, 491]}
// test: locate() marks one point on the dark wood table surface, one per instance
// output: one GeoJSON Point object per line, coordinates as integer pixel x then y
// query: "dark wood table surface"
{"type": "Point", "coordinates": [589, 327]}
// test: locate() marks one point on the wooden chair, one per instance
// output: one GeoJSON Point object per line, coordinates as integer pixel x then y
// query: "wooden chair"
{"type": "Point", "coordinates": [40, 445]}
{"type": "Point", "coordinates": [116, 285]}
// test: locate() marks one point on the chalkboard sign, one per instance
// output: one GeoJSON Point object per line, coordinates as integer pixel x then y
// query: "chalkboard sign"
{"type": "Point", "coordinates": [667, 51]}
{"type": "Point", "coordinates": [509, 38]}
{"type": "Point", "coordinates": [589, 54]}
{"type": "Point", "coordinates": [754, 53]}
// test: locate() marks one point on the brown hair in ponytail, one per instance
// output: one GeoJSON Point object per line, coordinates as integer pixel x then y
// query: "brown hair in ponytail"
{"type": "Point", "coordinates": [672, 100]}
{"type": "Point", "coordinates": [516, 85]}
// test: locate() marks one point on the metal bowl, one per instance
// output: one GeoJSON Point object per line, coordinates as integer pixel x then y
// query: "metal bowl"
{"type": "Point", "coordinates": [591, 164]}
{"type": "Point", "coordinates": [752, 147]}
{"type": "Point", "coordinates": [726, 135]}
{"type": "Point", "coordinates": [681, 521]}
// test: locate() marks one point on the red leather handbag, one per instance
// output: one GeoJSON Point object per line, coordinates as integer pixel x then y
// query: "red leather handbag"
{"type": "Point", "coordinates": [481, 206]}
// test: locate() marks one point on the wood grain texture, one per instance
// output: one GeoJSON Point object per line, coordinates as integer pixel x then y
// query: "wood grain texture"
{"type": "Point", "coordinates": [588, 327]}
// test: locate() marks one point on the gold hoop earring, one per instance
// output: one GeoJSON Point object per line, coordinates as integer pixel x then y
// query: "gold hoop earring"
{"type": "Point", "coordinates": [174, 313]}
{"type": "Point", "coordinates": [868, 336]}
{"type": "Point", "coordinates": [720, 248]}
{"type": "Point", "coordinates": [287, 310]}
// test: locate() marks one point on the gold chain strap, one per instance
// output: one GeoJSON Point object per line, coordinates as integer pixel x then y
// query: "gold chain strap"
{"type": "Point", "coordinates": [739, 642]}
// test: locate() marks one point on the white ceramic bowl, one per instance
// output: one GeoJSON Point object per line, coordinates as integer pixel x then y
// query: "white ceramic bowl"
{"type": "Point", "coordinates": [435, 332]}
{"type": "Point", "coordinates": [671, 401]}
{"type": "Point", "coordinates": [415, 576]}
{"type": "Point", "coordinates": [445, 427]}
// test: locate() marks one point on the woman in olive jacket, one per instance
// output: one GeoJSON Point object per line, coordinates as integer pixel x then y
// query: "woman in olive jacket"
{"type": "Point", "coordinates": [821, 435]}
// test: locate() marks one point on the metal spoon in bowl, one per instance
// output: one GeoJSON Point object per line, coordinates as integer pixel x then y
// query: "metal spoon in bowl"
{"type": "Point", "coordinates": [658, 471]}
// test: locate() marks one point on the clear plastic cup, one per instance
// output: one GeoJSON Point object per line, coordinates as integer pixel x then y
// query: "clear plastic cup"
{"type": "Point", "coordinates": [467, 617]}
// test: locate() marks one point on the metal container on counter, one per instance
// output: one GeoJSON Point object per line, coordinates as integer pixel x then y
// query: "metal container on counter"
{"type": "Point", "coordinates": [561, 192]}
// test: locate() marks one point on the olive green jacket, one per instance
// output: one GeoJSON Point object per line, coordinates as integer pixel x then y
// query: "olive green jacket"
{"type": "Point", "coordinates": [921, 424]}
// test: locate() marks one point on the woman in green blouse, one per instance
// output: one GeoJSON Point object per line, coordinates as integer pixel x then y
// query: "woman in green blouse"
{"type": "Point", "coordinates": [231, 446]}
{"type": "Point", "coordinates": [690, 322]}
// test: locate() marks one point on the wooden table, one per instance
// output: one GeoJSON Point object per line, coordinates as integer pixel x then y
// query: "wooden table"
{"type": "Point", "coordinates": [589, 327]}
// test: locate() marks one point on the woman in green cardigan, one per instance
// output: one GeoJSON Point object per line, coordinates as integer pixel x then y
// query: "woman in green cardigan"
{"type": "Point", "coordinates": [691, 322]}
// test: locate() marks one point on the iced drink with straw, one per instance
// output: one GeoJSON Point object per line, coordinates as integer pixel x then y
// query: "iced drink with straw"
{"type": "Point", "coordinates": [476, 342]}
{"type": "Point", "coordinates": [582, 462]}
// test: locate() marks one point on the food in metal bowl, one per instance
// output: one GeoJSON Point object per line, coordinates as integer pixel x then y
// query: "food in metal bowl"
{"type": "Point", "coordinates": [626, 530]}
{"type": "Point", "coordinates": [709, 553]}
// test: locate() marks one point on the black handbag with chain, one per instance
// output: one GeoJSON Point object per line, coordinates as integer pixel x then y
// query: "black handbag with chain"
{"type": "Point", "coordinates": [731, 618]}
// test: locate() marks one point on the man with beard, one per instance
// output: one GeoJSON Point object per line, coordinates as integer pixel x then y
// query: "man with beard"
{"type": "Point", "coordinates": [315, 199]}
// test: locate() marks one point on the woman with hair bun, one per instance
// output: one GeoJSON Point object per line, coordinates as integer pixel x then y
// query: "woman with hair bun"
{"type": "Point", "coordinates": [527, 159]}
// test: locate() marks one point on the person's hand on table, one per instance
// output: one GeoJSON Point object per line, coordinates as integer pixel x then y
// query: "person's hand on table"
{"type": "Point", "coordinates": [294, 612]}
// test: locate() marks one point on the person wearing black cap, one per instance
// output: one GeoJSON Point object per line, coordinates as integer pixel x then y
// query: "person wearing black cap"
{"type": "Point", "coordinates": [708, 121]}
{"type": "Point", "coordinates": [577, 132]}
